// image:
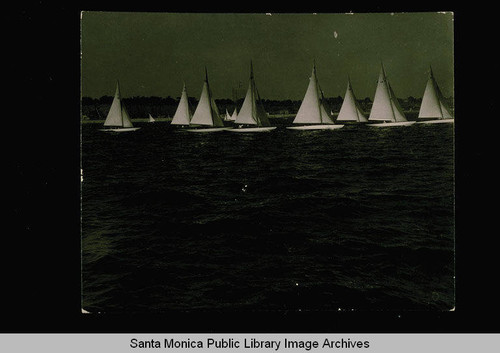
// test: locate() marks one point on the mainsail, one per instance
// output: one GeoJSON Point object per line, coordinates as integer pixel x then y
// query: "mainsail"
{"type": "Point", "coordinates": [433, 103]}
{"type": "Point", "coordinates": [206, 112]}
{"type": "Point", "coordinates": [151, 119]}
{"type": "Point", "coordinates": [118, 115]}
{"type": "Point", "coordinates": [252, 111]}
{"type": "Point", "coordinates": [350, 110]}
{"type": "Point", "coordinates": [313, 110]}
{"type": "Point", "coordinates": [385, 104]}
{"type": "Point", "coordinates": [183, 113]}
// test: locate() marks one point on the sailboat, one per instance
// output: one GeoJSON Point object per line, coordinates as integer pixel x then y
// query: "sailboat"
{"type": "Point", "coordinates": [234, 115]}
{"type": "Point", "coordinates": [252, 116]}
{"type": "Point", "coordinates": [206, 116]}
{"type": "Point", "coordinates": [151, 119]}
{"type": "Point", "coordinates": [183, 113]}
{"type": "Point", "coordinates": [118, 119]}
{"type": "Point", "coordinates": [350, 110]}
{"type": "Point", "coordinates": [227, 117]}
{"type": "Point", "coordinates": [312, 113]}
{"type": "Point", "coordinates": [385, 106]}
{"type": "Point", "coordinates": [434, 108]}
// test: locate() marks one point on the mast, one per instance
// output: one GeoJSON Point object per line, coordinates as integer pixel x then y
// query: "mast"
{"type": "Point", "coordinates": [319, 91]}
{"type": "Point", "coordinates": [438, 91]}
{"type": "Point", "coordinates": [349, 87]}
{"type": "Point", "coordinates": [209, 97]}
{"type": "Point", "coordinates": [260, 111]}
{"type": "Point", "coordinates": [388, 91]}
{"type": "Point", "coordinates": [214, 112]}
{"type": "Point", "coordinates": [121, 103]}
{"type": "Point", "coordinates": [256, 102]}
{"type": "Point", "coordinates": [431, 77]}
{"type": "Point", "coordinates": [252, 96]}
{"type": "Point", "coordinates": [324, 118]}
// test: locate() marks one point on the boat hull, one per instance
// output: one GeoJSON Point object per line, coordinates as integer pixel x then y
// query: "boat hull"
{"type": "Point", "coordinates": [399, 123]}
{"type": "Point", "coordinates": [122, 129]}
{"type": "Point", "coordinates": [438, 121]}
{"type": "Point", "coordinates": [208, 129]}
{"type": "Point", "coordinates": [351, 122]}
{"type": "Point", "coordinates": [316, 127]}
{"type": "Point", "coordinates": [252, 129]}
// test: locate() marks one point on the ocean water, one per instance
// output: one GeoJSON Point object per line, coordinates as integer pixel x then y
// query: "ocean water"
{"type": "Point", "coordinates": [353, 219]}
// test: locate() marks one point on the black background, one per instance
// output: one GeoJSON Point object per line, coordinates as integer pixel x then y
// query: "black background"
{"type": "Point", "coordinates": [40, 244]}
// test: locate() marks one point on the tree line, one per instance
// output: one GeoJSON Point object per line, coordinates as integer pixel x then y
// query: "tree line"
{"type": "Point", "coordinates": [164, 107]}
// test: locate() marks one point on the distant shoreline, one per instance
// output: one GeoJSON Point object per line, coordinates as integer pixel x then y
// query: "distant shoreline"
{"type": "Point", "coordinates": [145, 120]}
{"type": "Point", "coordinates": [271, 116]}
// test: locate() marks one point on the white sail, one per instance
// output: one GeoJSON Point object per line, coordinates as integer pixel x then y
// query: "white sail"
{"type": "Point", "coordinates": [433, 104]}
{"type": "Point", "coordinates": [114, 117]}
{"type": "Point", "coordinates": [396, 107]}
{"type": "Point", "coordinates": [350, 110]}
{"type": "Point", "coordinates": [151, 119]}
{"type": "Point", "coordinates": [385, 104]}
{"type": "Point", "coordinates": [445, 109]}
{"type": "Point", "coordinates": [206, 112]}
{"type": "Point", "coordinates": [312, 109]}
{"type": "Point", "coordinates": [252, 111]}
{"type": "Point", "coordinates": [183, 113]}
{"type": "Point", "coordinates": [117, 115]}
{"type": "Point", "coordinates": [235, 114]}
{"type": "Point", "coordinates": [125, 117]}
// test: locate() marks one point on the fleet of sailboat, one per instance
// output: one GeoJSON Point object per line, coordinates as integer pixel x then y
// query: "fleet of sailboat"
{"type": "Point", "coordinates": [313, 112]}
{"type": "Point", "coordinates": [434, 108]}
{"type": "Point", "coordinates": [252, 116]}
{"type": "Point", "coordinates": [118, 119]}
{"type": "Point", "coordinates": [386, 107]}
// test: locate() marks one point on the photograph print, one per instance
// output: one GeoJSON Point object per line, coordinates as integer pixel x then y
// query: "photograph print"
{"type": "Point", "coordinates": [267, 162]}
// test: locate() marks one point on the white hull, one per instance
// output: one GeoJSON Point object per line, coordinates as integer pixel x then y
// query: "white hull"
{"type": "Point", "coordinates": [399, 123]}
{"type": "Point", "coordinates": [120, 129]}
{"type": "Point", "coordinates": [252, 129]}
{"type": "Point", "coordinates": [208, 129]}
{"type": "Point", "coordinates": [439, 121]}
{"type": "Point", "coordinates": [315, 127]}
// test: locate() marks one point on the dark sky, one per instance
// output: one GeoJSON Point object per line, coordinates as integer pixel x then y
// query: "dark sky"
{"type": "Point", "coordinates": [152, 54]}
